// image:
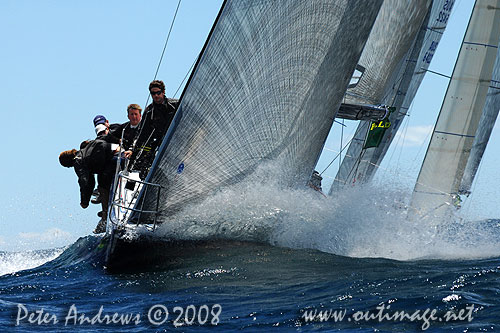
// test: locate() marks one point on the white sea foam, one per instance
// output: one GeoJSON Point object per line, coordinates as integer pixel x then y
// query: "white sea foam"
{"type": "Point", "coordinates": [367, 222]}
{"type": "Point", "coordinates": [11, 262]}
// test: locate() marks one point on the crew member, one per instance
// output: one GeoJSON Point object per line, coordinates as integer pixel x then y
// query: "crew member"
{"type": "Point", "coordinates": [103, 131]}
{"type": "Point", "coordinates": [94, 157]}
{"type": "Point", "coordinates": [129, 129]}
{"type": "Point", "coordinates": [155, 122]}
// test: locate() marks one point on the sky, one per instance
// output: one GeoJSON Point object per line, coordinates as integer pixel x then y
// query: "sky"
{"type": "Point", "coordinates": [63, 62]}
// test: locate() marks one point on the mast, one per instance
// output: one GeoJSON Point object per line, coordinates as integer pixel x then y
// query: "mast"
{"type": "Point", "coordinates": [451, 142]}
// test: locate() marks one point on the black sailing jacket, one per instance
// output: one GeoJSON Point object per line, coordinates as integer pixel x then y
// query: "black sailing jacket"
{"type": "Point", "coordinates": [155, 122]}
{"type": "Point", "coordinates": [95, 158]}
{"type": "Point", "coordinates": [128, 136]}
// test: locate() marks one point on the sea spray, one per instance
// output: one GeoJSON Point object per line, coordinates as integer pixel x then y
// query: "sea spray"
{"type": "Point", "coordinates": [11, 262]}
{"type": "Point", "coordinates": [365, 221]}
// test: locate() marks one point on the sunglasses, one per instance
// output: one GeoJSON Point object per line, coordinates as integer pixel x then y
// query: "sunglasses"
{"type": "Point", "coordinates": [155, 93]}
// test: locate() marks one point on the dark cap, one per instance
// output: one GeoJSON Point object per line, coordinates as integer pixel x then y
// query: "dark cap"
{"type": "Point", "coordinates": [99, 120]}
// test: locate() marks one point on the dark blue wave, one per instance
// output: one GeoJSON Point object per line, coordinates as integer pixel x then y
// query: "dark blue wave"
{"type": "Point", "coordinates": [260, 287]}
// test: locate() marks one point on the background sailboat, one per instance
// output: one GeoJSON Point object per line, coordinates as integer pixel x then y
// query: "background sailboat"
{"type": "Point", "coordinates": [485, 128]}
{"type": "Point", "coordinates": [401, 85]}
{"type": "Point", "coordinates": [439, 179]}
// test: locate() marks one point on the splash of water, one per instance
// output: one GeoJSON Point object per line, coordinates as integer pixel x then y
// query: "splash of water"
{"type": "Point", "coordinates": [359, 222]}
{"type": "Point", "coordinates": [11, 262]}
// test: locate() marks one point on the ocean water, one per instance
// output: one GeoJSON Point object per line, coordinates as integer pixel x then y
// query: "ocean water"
{"type": "Point", "coordinates": [271, 260]}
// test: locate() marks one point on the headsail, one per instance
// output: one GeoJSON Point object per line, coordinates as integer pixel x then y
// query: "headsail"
{"type": "Point", "coordinates": [392, 35]}
{"type": "Point", "coordinates": [360, 164]}
{"type": "Point", "coordinates": [483, 133]}
{"type": "Point", "coordinates": [443, 167]}
{"type": "Point", "coordinates": [267, 87]}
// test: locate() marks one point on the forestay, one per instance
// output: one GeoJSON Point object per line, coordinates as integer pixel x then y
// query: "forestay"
{"type": "Point", "coordinates": [266, 88]}
{"type": "Point", "coordinates": [443, 167]}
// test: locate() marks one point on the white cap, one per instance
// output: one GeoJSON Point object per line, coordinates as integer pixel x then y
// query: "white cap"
{"type": "Point", "coordinates": [99, 128]}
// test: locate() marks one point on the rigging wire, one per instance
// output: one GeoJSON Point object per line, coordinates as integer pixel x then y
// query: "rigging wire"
{"type": "Point", "coordinates": [423, 144]}
{"type": "Point", "coordinates": [437, 73]}
{"type": "Point", "coordinates": [405, 131]}
{"type": "Point", "coordinates": [164, 48]}
{"type": "Point", "coordinates": [329, 164]}
{"type": "Point", "coordinates": [341, 139]}
{"type": "Point", "coordinates": [185, 77]}
{"type": "Point", "coordinates": [160, 61]}
{"type": "Point", "coordinates": [168, 37]}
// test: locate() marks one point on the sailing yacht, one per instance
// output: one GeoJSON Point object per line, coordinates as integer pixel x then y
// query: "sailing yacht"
{"type": "Point", "coordinates": [266, 88]}
{"type": "Point", "coordinates": [400, 83]}
{"type": "Point", "coordinates": [465, 121]}
{"type": "Point", "coordinates": [466, 118]}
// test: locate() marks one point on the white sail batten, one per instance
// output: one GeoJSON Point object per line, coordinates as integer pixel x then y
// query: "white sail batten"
{"type": "Point", "coordinates": [360, 163]}
{"type": "Point", "coordinates": [266, 88]}
{"type": "Point", "coordinates": [451, 142]}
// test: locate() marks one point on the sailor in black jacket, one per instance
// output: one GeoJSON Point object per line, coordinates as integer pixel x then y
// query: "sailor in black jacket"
{"type": "Point", "coordinates": [94, 157]}
{"type": "Point", "coordinates": [130, 129]}
{"type": "Point", "coordinates": [101, 124]}
{"type": "Point", "coordinates": [155, 122]}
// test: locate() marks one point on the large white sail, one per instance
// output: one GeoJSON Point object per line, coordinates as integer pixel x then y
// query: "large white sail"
{"type": "Point", "coordinates": [486, 124]}
{"type": "Point", "coordinates": [266, 88]}
{"type": "Point", "coordinates": [360, 163]}
{"type": "Point", "coordinates": [443, 167]}
{"type": "Point", "coordinates": [392, 35]}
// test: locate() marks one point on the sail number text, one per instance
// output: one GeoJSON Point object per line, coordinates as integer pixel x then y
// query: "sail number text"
{"type": "Point", "coordinates": [381, 124]}
{"type": "Point", "coordinates": [444, 14]}
{"type": "Point", "coordinates": [430, 52]}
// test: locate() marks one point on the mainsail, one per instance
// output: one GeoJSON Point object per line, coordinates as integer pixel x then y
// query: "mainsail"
{"type": "Point", "coordinates": [452, 139]}
{"type": "Point", "coordinates": [361, 162]}
{"type": "Point", "coordinates": [266, 88]}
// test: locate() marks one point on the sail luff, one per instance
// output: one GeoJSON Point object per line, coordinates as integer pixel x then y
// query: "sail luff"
{"type": "Point", "coordinates": [443, 167]}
